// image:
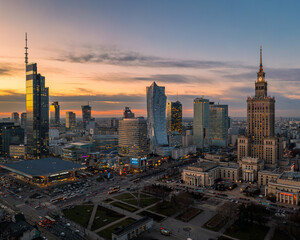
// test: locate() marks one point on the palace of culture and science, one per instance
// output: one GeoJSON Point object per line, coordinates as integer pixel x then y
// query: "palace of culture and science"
{"type": "Point", "coordinates": [260, 141]}
{"type": "Point", "coordinates": [259, 153]}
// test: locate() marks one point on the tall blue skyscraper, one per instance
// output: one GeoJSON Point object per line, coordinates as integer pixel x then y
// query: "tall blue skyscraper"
{"type": "Point", "coordinates": [156, 116]}
{"type": "Point", "coordinates": [201, 123]}
{"type": "Point", "coordinates": [218, 124]}
{"type": "Point", "coordinates": [37, 112]}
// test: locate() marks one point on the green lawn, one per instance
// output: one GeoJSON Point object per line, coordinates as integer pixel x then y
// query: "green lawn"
{"type": "Point", "coordinates": [106, 233]}
{"type": "Point", "coordinates": [145, 200]}
{"type": "Point", "coordinates": [108, 200]}
{"type": "Point", "coordinates": [104, 216]}
{"type": "Point", "coordinates": [165, 208]}
{"type": "Point", "coordinates": [249, 232]}
{"type": "Point", "coordinates": [156, 218]}
{"type": "Point", "coordinates": [80, 214]}
{"type": "Point", "coordinates": [124, 206]}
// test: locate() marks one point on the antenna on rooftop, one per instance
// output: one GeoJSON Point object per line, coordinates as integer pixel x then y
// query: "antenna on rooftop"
{"type": "Point", "coordinates": [26, 48]}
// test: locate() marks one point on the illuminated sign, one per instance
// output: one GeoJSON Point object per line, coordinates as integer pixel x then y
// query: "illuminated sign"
{"type": "Point", "coordinates": [286, 194]}
{"type": "Point", "coordinates": [134, 161]}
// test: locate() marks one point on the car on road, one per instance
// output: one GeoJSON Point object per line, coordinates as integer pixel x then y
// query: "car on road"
{"type": "Point", "coordinates": [165, 231]}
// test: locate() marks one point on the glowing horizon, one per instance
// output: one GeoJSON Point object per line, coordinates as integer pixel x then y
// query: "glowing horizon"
{"type": "Point", "coordinates": [97, 53]}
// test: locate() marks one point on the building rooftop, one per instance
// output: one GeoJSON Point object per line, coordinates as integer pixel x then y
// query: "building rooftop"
{"type": "Point", "coordinates": [131, 226]}
{"type": "Point", "coordinates": [294, 176]}
{"type": "Point", "coordinates": [41, 167]}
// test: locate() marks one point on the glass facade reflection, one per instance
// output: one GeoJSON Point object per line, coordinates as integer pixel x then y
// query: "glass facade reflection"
{"type": "Point", "coordinates": [156, 116]}
{"type": "Point", "coordinates": [70, 120]}
{"type": "Point", "coordinates": [54, 115]}
{"type": "Point", "coordinates": [218, 125]}
{"type": "Point", "coordinates": [86, 115]}
{"type": "Point", "coordinates": [37, 113]}
{"type": "Point", "coordinates": [174, 117]}
{"type": "Point", "coordinates": [201, 123]}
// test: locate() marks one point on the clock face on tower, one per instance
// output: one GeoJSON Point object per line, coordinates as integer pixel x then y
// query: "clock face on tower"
{"type": "Point", "coordinates": [260, 79]}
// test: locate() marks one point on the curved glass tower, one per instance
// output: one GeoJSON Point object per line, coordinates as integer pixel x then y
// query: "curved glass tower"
{"type": "Point", "coordinates": [156, 116]}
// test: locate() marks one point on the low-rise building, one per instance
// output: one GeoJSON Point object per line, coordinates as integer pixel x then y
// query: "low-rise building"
{"type": "Point", "coordinates": [250, 167]}
{"type": "Point", "coordinates": [180, 152]}
{"type": "Point", "coordinates": [264, 176]}
{"type": "Point", "coordinates": [133, 230]}
{"type": "Point", "coordinates": [206, 173]}
{"type": "Point", "coordinates": [286, 188]}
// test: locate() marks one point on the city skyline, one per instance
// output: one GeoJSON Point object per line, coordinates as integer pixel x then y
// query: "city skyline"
{"type": "Point", "coordinates": [109, 66]}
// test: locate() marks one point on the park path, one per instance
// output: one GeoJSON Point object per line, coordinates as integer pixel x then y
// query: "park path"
{"type": "Point", "coordinates": [271, 231]}
{"type": "Point", "coordinates": [126, 213]}
{"type": "Point", "coordinates": [116, 209]}
{"type": "Point", "coordinates": [92, 216]}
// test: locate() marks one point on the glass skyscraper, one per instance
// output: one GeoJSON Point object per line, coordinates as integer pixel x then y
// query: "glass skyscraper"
{"type": "Point", "coordinates": [70, 120]}
{"type": "Point", "coordinates": [174, 117]}
{"type": "Point", "coordinates": [37, 113]}
{"type": "Point", "coordinates": [201, 123]}
{"type": "Point", "coordinates": [156, 116]}
{"type": "Point", "coordinates": [54, 114]}
{"type": "Point", "coordinates": [218, 125]}
{"type": "Point", "coordinates": [86, 115]}
{"type": "Point", "coordinates": [133, 141]}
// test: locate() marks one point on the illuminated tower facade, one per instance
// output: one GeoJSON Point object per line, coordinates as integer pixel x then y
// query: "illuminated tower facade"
{"type": "Point", "coordinates": [174, 117]}
{"type": "Point", "coordinates": [70, 120]}
{"type": "Point", "coordinates": [260, 141]}
{"type": "Point", "coordinates": [37, 112]}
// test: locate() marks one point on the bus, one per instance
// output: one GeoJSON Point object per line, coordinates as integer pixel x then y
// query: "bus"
{"type": "Point", "coordinates": [54, 200]}
{"type": "Point", "coordinates": [113, 190]}
{"type": "Point", "coordinates": [50, 219]}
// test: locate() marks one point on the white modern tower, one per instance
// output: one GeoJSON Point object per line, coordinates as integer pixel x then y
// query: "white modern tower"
{"type": "Point", "coordinates": [156, 116]}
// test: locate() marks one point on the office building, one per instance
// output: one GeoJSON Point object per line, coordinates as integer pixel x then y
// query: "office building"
{"type": "Point", "coordinates": [174, 117]}
{"type": "Point", "coordinates": [156, 116]}
{"type": "Point", "coordinates": [218, 125]}
{"type": "Point", "coordinates": [11, 135]}
{"type": "Point", "coordinates": [127, 113]}
{"type": "Point", "coordinates": [201, 123]}
{"type": "Point", "coordinates": [17, 151]}
{"type": "Point", "coordinates": [70, 120]}
{"type": "Point", "coordinates": [2, 126]}
{"type": "Point", "coordinates": [23, 120]}
{"type": "Point", "coordinates": [175, 139]}
{"type": "Point", "coordinates": [133, 141]}
{"type": "Point", "coordinates": [54, 115]}
{"type": "Point", "coordinates": [37, 112]}
{"type": "Point", "coordinates": [113, 123]}
{"type": "Point", "coordinates": [86, 115]}
{"type": "Point", "coordinates": [260, 141]}
{"type": "Point", "coordinates": [15, 117]}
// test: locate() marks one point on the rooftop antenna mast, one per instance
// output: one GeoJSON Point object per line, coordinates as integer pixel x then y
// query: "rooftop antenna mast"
{"type": "Point", "coordinates": [26, 48]}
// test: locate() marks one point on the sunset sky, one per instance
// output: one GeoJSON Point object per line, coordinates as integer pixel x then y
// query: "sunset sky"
{"type": "Point", "coordinates": [107, 52]}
